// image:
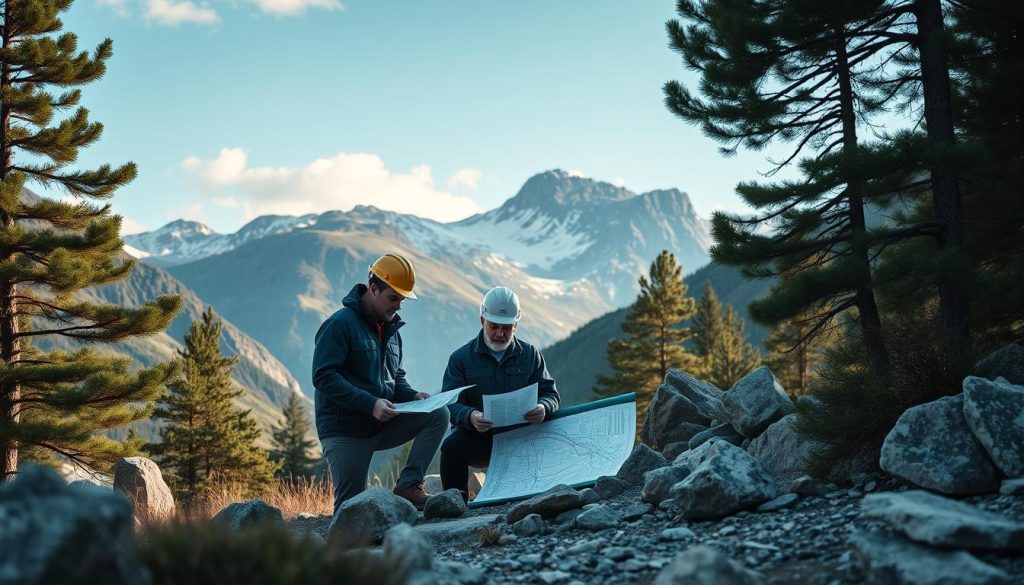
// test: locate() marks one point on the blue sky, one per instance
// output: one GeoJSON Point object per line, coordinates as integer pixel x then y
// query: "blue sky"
{"type": "Point", "coordinates": [442, 109]}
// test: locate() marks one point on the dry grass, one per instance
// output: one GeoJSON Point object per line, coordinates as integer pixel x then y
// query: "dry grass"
{"type": "Point", "coordinates": [292, 497]}
{"type": "Point", "coordinates": [488, 535]}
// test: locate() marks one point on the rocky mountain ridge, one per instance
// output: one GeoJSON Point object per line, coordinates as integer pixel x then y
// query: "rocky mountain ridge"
{"type": "Point", "coordinates": [572, 248]}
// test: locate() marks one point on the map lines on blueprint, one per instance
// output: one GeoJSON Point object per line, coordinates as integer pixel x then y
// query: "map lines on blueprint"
{"type": "Point", "coordinates": [571, 450]}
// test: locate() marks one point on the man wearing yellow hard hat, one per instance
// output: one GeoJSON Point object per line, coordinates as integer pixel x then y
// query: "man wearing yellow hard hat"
{"type": "Point", "coordinates": [358, 377]}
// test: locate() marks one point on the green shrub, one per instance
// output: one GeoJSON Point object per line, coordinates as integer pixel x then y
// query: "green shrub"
{"type": "Point", "coordinates": [204, 553]}
{"type": "Point", "coordinates": [855, 408]}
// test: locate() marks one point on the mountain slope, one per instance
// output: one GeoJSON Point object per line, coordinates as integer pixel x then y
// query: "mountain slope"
{"type": "Point", "coordinates": [266, 382]}
{"type": "Point", "coordinates": [576, 360]}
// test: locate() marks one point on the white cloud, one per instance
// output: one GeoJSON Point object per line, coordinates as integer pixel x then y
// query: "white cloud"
{"type": "Point", "coordinates": [338, 182]}
{"type": "Point", "coordinates": [294, 7]}
{"type": "Point", "coordinates": [465, 178]}
{"type": "Point", "coordinates": [577, 173]}
{"type": "Point", "coordinates": [619, 182]}
{"type": "Point", "coordinates": [175, 12]}
{"type": "Point", "coordinates": [120, 7]}
{"type": "Point", "coordinates": [129, 226]}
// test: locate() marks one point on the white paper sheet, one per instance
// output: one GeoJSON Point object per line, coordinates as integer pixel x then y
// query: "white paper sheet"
{"type": "Point", "coordinates": [571, 450]}
{"type": "Point", "coordinates": [509, 408]}
{"type": "Point", "coordinates": [439, 400]}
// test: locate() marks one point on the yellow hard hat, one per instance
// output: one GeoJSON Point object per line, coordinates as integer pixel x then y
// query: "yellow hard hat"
{"type": "Point", "coordinates": [397, 272]}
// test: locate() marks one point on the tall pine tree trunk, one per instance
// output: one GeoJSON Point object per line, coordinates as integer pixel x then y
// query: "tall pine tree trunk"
{"type": "Point", "coordinates": [938, 115]}
{"type": "Point", "coordinates": [864, 296]}
{"type": "Point", "coordinates": [10, 393]}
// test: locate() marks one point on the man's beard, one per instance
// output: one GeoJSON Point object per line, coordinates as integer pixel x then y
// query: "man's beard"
{"type": "Point", "coordinates": [495, 346]}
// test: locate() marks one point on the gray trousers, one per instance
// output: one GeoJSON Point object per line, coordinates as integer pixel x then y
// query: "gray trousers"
{"type": "Point", "coordinates": [348, 458]}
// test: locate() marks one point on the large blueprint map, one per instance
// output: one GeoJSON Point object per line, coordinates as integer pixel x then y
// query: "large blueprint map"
{"type": "Point", "coordinates": [573, 450]}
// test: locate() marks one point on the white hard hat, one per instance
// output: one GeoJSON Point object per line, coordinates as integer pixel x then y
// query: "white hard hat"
{"type": "Point", "coordinates": [500, 306]}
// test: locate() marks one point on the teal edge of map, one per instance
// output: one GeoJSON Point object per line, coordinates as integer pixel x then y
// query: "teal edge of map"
{"type": "Point", "coordinates": [562, 413]}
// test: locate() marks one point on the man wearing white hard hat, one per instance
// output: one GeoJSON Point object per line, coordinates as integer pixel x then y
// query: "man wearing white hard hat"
{"type": "Point", "coordinates": [495, 361]}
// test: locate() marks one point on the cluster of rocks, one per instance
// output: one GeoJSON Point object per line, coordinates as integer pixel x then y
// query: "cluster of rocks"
{"type": "Point", "coordinates": [717, 493]}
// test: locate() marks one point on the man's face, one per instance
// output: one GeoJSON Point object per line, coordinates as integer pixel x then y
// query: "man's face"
{"type": "Point", "coordinates": [497, 337]}
{"type": "Point", "coordinates": [384, 302]}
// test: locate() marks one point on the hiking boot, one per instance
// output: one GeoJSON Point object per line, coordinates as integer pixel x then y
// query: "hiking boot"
{"type": "Point", "coordinates": [414, 493]}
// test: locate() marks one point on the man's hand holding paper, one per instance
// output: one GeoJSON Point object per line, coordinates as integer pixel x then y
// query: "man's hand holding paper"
{"type": "Point", "coordinates": [512, 408]}
{"type": "Point", "coordinates": [430, 403]}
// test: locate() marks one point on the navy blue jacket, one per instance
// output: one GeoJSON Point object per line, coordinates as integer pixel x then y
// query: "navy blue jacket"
{"type": "Point", "coordinates": [473, 363]}
{"type": "Point", "coordinates": [353, 367]}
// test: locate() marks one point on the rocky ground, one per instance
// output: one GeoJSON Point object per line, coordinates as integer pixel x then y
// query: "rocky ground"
{"type": "Point", "coordinates": [805, 542]}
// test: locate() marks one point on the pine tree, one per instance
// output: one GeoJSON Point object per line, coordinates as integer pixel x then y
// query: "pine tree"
{"type": "Point", "coordinates": [793, 353]}
{"type": "Point", "coordinates": [207, 440]}
{"type": "Point", "coordinates": [792, 71]}
{"type": "Point", "coordinates": [291, 446]}
{"type": "Point", "coordinates": [731, 356]}
{"type": "Point", "coordinates": [989, 66]}
{"type": "Point", "coordinates": [57, 403]}
{"type": "Point", "coordinates": [656, 338]}
{"type": "Point", "coordinates": [706, 327]}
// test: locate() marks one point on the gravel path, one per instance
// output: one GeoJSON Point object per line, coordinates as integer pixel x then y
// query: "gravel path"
{"type": "Point", "coordinates": [803, 543]}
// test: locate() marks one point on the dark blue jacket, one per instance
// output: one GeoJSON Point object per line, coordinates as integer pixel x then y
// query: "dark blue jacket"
{"type": "Point", "coordinates": [353, 367]}
{"type": "Point", "coordinates": [473, 363]}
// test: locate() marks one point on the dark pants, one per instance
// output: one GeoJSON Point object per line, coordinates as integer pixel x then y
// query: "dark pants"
{"type": "Point", "coordinates": [460, 450]}
{"type": "Point", "coordinates": [348, 458]}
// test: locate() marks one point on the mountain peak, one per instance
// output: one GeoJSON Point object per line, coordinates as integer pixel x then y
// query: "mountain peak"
{"type": "Point", "coordinates": [561, 189]}
{"type": "Point", "coordinates": [185, 225]}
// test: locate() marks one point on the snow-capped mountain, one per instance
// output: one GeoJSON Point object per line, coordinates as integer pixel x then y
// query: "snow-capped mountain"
{"type": "Point", "coordinates": [573, 249]}
{"type": "Point", "coordinates": [183, 241]}
{"type": "Point", "coordinates": [559, 232]}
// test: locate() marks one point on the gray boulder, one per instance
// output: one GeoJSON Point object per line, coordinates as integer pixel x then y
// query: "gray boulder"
{"type": "Point", "coordinates": [640, 461]}
{"type": "Point", "coordinates": [932, 519]}
{"type": "Point", "coordinates": [993, 410]}
{"type": "Point", "coordinates": [890, 559]}
{"type": "Point", "coordinates": [806, 486]}
{"type": "Point", "coordinates": [52, 533]}
{"type": "Point", "coordinates": [755, 402]}
{"type": "Point", "coordinates": [455, 533]}
{"type": "Point", "coordinates": [407, 550]}
{"type": "Point", "coordinates": [447, 504]}
{"type": "Point", "coordinates": [658, 482]}
{"type": "Point", "coordinates": [704, 395]}
{"type": "Point", "coordinates": [140, 480]}
{"type": "Point", "coordinates": [931, 446]}
{"type": "Point", "coordinates": [252, 514]}
{"type": "Point", "coordinates": [783, 501]}
{"type": "Point", "coordinates": [1012, 487]}
{"type": "Point", "coordinates": [548, 504]}
{"type": "Point", "coordinates": [722, 431]}
{"type": "Point", "coordinates": [728, 481]}
{"type": "Point", "coordinates": [1006, 362]}
{"type": "Point", "coordinates": [703, 565]}
{"type": "Point", "coordinates": [672, 450]}
{"type": "Point", "coordinates": [532, 525]}
{"type": "Point", "coordinates": [598, 518]}
{"type": "Point", "coordinates": [608, 486]}
{"type": "Point", "coordinates": [782, 452]}
{"type": "Point", "coordinates": [671, 417]}
{"type": "Point", "coordinates": [694, 457]}
{"type": "Point", "coordinates": [367, 516]}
